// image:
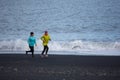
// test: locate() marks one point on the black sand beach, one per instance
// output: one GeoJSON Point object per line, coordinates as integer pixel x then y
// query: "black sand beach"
{"type": "Point", "coordinates": [59, 67]}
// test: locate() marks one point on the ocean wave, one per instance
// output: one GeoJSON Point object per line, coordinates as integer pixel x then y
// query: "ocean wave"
{"type": "Point", "coordinates": [76, 45]}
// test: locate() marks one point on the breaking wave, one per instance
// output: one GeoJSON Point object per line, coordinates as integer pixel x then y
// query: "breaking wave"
{"type": "Point", "coordinates": [77, 45]}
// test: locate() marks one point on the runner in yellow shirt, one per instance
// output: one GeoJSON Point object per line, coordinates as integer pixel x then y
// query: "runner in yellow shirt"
{"type": "Point", "coordinates": [45, 39]}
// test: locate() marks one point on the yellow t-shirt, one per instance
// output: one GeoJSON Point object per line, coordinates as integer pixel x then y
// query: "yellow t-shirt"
{"type": "Point", "coordinates": [45, 39]}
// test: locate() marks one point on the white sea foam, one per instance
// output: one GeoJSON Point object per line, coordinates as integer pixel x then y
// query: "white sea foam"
{"type": "Point", "coordinates": [77, 45]}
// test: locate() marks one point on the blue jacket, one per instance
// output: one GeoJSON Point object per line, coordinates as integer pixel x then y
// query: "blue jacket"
{"type": "Point", "coordinates": [31, 41]}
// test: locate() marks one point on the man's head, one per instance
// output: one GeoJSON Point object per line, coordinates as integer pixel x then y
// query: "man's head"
{"type": "Point", "coordinates": [31, 33]}
{"type": "Point", "coordinates": [46, 32]}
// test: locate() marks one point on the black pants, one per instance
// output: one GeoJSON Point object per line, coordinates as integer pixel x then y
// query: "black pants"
{"type": "Point", "coordinates": [31, 50]}
{"type": "Point", "coordinates": [46, 48]}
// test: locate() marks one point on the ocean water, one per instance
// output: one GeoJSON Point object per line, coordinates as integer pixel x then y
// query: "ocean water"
{"type": "Point", "coordinates": [75, 26]}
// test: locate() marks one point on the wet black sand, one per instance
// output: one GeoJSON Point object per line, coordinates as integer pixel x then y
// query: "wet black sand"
{"type": "Point", "coordinates": [59, 67]}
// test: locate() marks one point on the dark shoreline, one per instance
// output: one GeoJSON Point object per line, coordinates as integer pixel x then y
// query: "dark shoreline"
{"type": "Point", "coordinates": [59, 67]}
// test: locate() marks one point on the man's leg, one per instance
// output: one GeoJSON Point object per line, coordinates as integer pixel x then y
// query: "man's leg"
{"type": "Point", "coordinates": [29, 50]}
{"type": "Point", "coordinates": [44, 50]}
{"type": "Point", "coordinates": [32, 50]}
{"type": "Point", "coordinates": [47, 48]}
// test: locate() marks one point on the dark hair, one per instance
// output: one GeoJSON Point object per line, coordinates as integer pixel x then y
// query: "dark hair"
{"type": "Point", "coordinates": [46, 31]}
{"type": "Point", "coordinates": [31, 33]}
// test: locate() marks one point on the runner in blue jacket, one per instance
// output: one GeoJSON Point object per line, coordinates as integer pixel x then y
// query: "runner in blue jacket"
{"type": "Point", "coordinates": [31, 43]}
